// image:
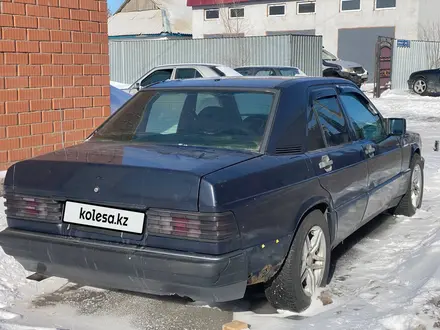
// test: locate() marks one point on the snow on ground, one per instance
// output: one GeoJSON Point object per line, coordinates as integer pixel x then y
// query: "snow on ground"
{"type": "Point", "coordinates": [386, 276]}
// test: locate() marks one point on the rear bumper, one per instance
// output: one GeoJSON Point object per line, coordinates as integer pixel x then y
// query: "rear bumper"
{"type": "Point", "coordinates": [146, 270]}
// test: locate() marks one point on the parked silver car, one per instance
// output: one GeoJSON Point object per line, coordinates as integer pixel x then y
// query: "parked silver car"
{"type": "Point", "coordinates": [181, 71]}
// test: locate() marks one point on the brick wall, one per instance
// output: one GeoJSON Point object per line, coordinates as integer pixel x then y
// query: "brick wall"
{"type": "Point", "coordinates": [54, 74]}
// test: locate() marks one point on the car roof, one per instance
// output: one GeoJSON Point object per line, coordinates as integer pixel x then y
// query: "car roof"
{"type": "Point", "coordinates": [189, 64]}
{"type": "Point", "coordinates": [275, 82]}
{"type": "Point", "coordinates": [267, 66]}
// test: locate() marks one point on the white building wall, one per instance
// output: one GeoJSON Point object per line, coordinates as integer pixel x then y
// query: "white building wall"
{"type": "Point", "coordinates": [327, 20]}
{"type": "Point", "coordinates": [429, 19]}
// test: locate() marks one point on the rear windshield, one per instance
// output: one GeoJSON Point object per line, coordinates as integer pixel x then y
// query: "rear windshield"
{"type": "Point", "coordinates": [220, 119]}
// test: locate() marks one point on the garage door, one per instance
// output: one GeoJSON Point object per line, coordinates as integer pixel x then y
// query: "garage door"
{"type": "Point", "coordinates": [358, 45]}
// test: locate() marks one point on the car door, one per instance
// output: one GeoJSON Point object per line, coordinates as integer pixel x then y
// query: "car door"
{"type": "Point", "coordinates": [384, 152]}
{"type": "Point", "coordinates": [339, 162]}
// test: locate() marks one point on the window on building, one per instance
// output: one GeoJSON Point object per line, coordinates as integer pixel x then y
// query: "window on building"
{"type": "Point", "coordinates": [276, 10]}
{"type": "Point", "coordinates": [382, 4]}
{"type": "Point", "coordinates": [236, 12]}
{"type": "Point", "coordinates": [305, 7]}
{"type": "Point", "coordinates": [212, 14]}
{"type": "Point", "coordinates": [347, 5]}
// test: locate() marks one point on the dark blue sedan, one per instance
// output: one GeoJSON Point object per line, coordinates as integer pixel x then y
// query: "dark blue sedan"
{"type": "Point", "coordinates": [204, 187]}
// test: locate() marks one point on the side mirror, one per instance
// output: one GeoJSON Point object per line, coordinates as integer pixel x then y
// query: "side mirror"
{"type": "Point", "coordinates": [396, 126]}
{"type": "Point", "coordinates": [137, 86]}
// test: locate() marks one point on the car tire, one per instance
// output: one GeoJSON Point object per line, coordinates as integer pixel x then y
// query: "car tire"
{"type": "Point", "coordinates": [287, 289]}
{"type": "Point", "coordinates": [408, 205]}
{"type": "Point", "coordinates": [420, 86]}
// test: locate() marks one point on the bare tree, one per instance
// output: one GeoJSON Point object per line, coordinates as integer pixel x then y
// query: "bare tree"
{"type": "Point", "coordinates": [430, 33]}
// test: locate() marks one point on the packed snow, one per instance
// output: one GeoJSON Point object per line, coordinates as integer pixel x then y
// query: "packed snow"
{"type": "Point", "coordinates": [387, 276]}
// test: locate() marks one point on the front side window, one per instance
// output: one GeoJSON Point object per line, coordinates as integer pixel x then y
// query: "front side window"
{"type": "Point", "coordinates": [187, 73]}
{"type": "Point", "coordinates": [220, 119]}
{"type": "Point", "coordinates": [332, 120]}
{"type": "Point", "coordinates": [236, 12]}
{"type": "Point", "coordinates": [212, 14]}
{"type": "Point", "coordinates": [156, 76]}
{"type": "Point", "coordinates": [306, 7]}
{"type": "Point", "coordinates": [366, 122]}
{"type": "Point", "coordinates": [347, 5]}
{"type": "Point", "coordinates": [382, 4]}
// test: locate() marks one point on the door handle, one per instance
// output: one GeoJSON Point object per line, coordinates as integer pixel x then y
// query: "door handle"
{"type": "Point", "coordinates": [369, 150]}
{"type": "Point", "coordinates": [326, 163]}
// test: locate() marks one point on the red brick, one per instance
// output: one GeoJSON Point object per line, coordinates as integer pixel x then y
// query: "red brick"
{"type": "Point", "coordinates": [84, 123]}
{"type": "Point", "coordinates": [103, 27]}
{"type": "Point", "coordinates": [102, 6]}
{"type": "Point", "coordinates": [12, 8]}
{"type": "Point", "coordinates": [56, 12]}
{"type": "Point", "coordinates": [16, 107]}
{"type": "Point", "coordinates": [2, 84]}
{"type": "Point", "coordinates": [53, 92]}
{"type": "Point", "coordinates": [2, 132]}
{"type": "Point", "coordinates": [8, 70]}
{"type": "Point", "coordinates": [74, 136]}
{"type": "Point", "coordinates": [16, 58]}
{"type": "Point", "coordinates": [89, 26]}
{"type": "Point", "coordinates": [38, 11]}
{"type": "Point", "coordinates": [42, 150]}
{"type": "Point", "coordinates": [72, 70]}
{"type": "Point", "coordinates": [69, 47]}
{"type": "Point", "coordinates": [62, 59]}
{"type": "Point", "coordinates": [104, 49]}
{"type": "Point", "coordinates": [29, 94]}
{"type": "Point", "coordinates": [69, 4]}
{"type": "Point", "coordinates": [50, 47]}
{"type": "Point", "coordinates": [105, 90]}
{"type": "Point", "coordinates": [101, 80]}
{"type": "Point", "coordinates": [72, 91]}
{"type": "Point", "coordinates": [18, 131]}
{"type": "Point", "coordinates": [38, 35]}
{"type": "Point", "coordinates": [25, 22]}
{"type": "Point", "coordinates": [82, 80]}
{"type": "Point", "coordinates": [14, 34]}
{"type": "Point", "coordinates": [82, 59]}
{"type": "Point", "coordinates": [16, 82]}
{"type": "Point", "coordinates": [81, 37]}
{"type": "Point", "coordinates": [52, 70]}
{"type": "Point", "coordinates": [31, 141]}
{"type": "Point", "coordinates": [62, 104]}
{"type": "Point", "coordinates": [6, 20]}
{"type": "Point", "coordinates": [51, 139]}
{"type": "Point", "coordinates": [89, 5]}
{"type": "Point", "coordinates": [28, 46]}
{"type": "Point", "coordinates": [29, 70]}
{"type": "Point", "coordinates": [8, 120]}
{"type": "Point", "coordinates": [29, 118]}
{"type": "Point", "coordinates": [92, 91]}
{"type": "Point", "coordinates": [106, 111]}
{"type": "Point", "coordinates": [91, 49]}
{"type": "Point", "coordinates": [8, 144]}
{"type": "Point", "coordinates": [7, 46]}
{"type": "Point", "coordinates": [83, 102]}
{"type": "Point", "coordinates": [48, 2]}
{"type": "Point", "coordinates": [92, 69]}
{"type": "Point", "coordinates": [20, 154]}
{"type": "Point", "coordinates": [93, 112]}
{"type": "Point", "coordinates": [39, 105]}
{"type": "Point", "coordinates": [40, 58]}
{"type": "Point", "coordinates": [70, 25]}
{"type": "Point", "coordinates": [51, 116]}
{"type": "Point", "coordinates": [60, 36]}
{"type": "Point", "coordinates": [62, 126]}
{"type": "Point", "coordinates": [3, 155]}
{"type": "Point", "coordinates": [100, 38]}
{"type": "Point", "coordinates": [97, 16]}
{"type": "Point", "coordinates": [82, 15]}
{"type": "Point", "coordinates": [98, 121]}
{"type": "Point", "coordinates": [40, 81]}
{"type": "Point", "coordinates": [105, 69]}
{"type": "Point", "coordinates": [62, 81]}
{"type": "Point", "coordinates": [8, 95]}
{"type": "Point", "coordinates": [100, 59]}
{"type": "Point", "coordinates": [48, 23]}
{"type": "Point", "coordinates": [42, 128]}
{"type": "Point", "coordinates": [27, 1]}
{"type": "Point", "coordinates": [73, 114]}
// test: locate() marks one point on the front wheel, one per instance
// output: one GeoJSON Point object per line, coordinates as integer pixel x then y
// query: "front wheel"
{"type": "Point", "coordinates": [420, 86]}
{"type": "Point", "coordinates": [306, 266]}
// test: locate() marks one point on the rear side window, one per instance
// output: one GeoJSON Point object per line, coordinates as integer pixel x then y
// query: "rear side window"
{"type": "Point", "coordinates": [245, 71]}
{"type": "Point", "coordinates": [332, 120]}
{"type": "Point", "coordinates": [187, 73]}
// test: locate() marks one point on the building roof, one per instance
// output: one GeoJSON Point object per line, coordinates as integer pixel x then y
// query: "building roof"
{"type": "Point", "coordinates": [172, 17]}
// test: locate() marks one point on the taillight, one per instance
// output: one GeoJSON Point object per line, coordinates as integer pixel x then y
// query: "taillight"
{"type": "Point", "coordinates": [36, 208]}
{"type": "Point", "coordinates": [213, 227]}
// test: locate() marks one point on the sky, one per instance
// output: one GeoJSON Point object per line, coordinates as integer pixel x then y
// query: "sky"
{"type": "Point", "coordinates": [114, 4]}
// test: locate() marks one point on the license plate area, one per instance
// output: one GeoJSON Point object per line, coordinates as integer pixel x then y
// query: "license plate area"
{"type": "Point", "coordinates": [108, 218]}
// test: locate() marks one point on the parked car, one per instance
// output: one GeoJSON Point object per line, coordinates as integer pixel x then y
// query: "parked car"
{"type": "Point", "coordinates": [332, 66]}
{"type": "Point", "coordinates": [181, 71]}
{"type": "Point", "coordinates": [425, 82]}
{"type": "Point", "coordinates": [260, 70]}
{"type": "Point", "coordinates": [203, 187]}
{"type": "Point", "coordinates": [117, 98]}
